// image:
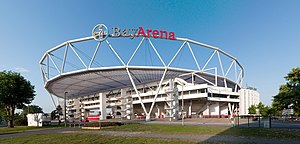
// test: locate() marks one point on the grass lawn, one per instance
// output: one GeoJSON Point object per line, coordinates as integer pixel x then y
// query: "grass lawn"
{"type": "Point", "coordinates": [170, 129]}
{"type": "Point", "coordinates": [18, 129]}
{"type": "Point", "coordinates": [210, 130]}
{"type": "Point", "coordinates": [87, 139]}
{"type": "Point", "coordinates": [152, 128]}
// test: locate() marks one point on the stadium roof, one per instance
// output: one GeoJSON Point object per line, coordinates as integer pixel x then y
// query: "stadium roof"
{"type": "Point", "coordinates": [90, 80]}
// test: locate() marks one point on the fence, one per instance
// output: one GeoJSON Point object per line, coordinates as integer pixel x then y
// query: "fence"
{"type": "Point", "coordinates": [253, 121]}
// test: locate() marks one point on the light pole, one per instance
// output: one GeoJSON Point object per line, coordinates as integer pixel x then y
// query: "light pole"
{"type": "Point", "coordinates": [65, 107]}
{"type": "Point", "coordinates": [28, 109]}
{"type": "Point", "coordinates": [182, 104]}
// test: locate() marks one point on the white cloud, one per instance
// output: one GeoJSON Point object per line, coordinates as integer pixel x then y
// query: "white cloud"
{"type": "Point", "coordinates": [2, 67]}
{"type": "Point", "coordinates": [21, 70]}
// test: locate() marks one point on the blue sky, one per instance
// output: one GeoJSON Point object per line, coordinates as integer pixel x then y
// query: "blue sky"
{"type": "Point", "coordinates": [262, 35]}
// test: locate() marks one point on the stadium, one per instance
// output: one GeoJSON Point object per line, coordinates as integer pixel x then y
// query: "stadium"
{"type": "Point", "coordinates": [141, 73]}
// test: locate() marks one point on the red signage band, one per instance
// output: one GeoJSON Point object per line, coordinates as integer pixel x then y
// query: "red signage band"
{"type": "Point", "coordinates": [162, 34]}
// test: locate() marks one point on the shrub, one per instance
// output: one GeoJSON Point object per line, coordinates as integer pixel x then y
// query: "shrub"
{"type": "Point", "coordinates": [103, 124]}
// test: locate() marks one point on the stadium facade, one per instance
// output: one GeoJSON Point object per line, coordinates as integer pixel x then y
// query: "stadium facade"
{"type": "Point", "coordinates": [208, 83]}
{"type": "Point", "coordinates": [193, 101]}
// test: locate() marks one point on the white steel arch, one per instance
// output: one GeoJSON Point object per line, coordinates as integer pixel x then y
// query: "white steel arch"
{"type": "Point", "coordinates": [87, 79]}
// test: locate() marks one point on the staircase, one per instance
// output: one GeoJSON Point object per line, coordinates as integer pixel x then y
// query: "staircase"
{"type": "Point", "coordinates": [171, 105]}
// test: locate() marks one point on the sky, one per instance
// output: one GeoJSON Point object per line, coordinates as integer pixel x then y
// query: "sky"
{"type": "Point", "coordinates": [262, 35]}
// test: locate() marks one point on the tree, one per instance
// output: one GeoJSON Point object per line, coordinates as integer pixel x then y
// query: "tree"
{"type": "Point", "coordinates": [276, 108]}
{"type": "Point", "coordinates": [270, 111]}
{"type": "Point", "coordinates": [32, 109]}
{"type": "Point", "coordinates": [261, 109]}
{"type": "Point", "coordinates": [21, 118]}
{"type": "Point", "coordinates": [55, 114]}
{"type": "Point", "coordinates": [252, 109]}
{"type": "Point", "coordinates": [15, 91]}
{"type": "Point", "coordinates": [289, 93]}
{"type": "Point", "coordinates": [2, 114]}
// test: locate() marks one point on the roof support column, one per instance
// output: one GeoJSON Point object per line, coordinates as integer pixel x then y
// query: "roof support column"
{"type": "Point", "coordinates": [102, 98]}
{"type": "Point", "coordinates": [156, 94]}
{"type": "Point", "coordinates": [136, 91]}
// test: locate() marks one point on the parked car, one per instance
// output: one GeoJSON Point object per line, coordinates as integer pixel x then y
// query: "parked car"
{"type": "Point", "coordinates": [139, 116]}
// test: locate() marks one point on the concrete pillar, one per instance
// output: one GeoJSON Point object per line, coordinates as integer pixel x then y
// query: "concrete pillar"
{"type": "Point", "coordinates": [129, 108]}
{"type": "Point", "coordinates": [83, 113]}
{"type": "Point", "coordinates": [175, 102]}
{"type": "Point", "coordinates": [148, 117]}
{"type": "Point", "coordinates": [102, 99]}
{"type": "Point", "coordinates": [172, 107]}
{"type": "Point", "coordinates": [208, 108]}
{"type": "Point", "coordinates": [190, 108]}
{"type": "Point", "coordinates": [126, 105]}
{"type": "Point", "coordinates": [231, 109]}
{"type": "Point", "coordinates": [218, 109]}
{"type": "Point", "coordinates": [158, 111]}
{"type": "Point", "coordinates": [123, 101]}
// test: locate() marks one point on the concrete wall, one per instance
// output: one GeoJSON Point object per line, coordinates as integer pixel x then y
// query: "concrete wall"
{"type": "Point", "coordinates": [192, 108]}
{"type": "Point", "coordinates": [35, 119]}
{"type": "Point", "coordinates": [214, 109]}
{"type": "Point", "coordinates": [224, 109]}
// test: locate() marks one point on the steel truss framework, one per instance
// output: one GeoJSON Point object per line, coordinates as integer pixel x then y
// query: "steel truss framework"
{"type": "Point", "coordinates": [90, 80]}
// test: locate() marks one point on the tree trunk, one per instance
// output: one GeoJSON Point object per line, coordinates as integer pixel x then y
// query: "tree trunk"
{"type": "Point", "coordinates": [10, 110]}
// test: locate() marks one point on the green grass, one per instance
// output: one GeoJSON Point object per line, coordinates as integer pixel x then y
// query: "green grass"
{"type": "Point", "coordinates": [263, 133]}
{"type": "Point", "coordinates": [151, 128]}
{"type": "Point", "coordinates": [18, 129]}
{"type": "Point", "coordinates": [170, 129]}
{"type": "Point", "coordinates": [87, 139]}
{"type": "Point", "coordinates": [210, 130]}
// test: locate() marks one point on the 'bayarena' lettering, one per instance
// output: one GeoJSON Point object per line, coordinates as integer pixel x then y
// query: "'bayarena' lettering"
{"type": "Point", "coordinates": [156, 34]}
{"type": "Point", "coordinates": [133, 32]}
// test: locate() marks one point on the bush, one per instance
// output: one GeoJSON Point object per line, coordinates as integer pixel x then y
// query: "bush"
{"type": "Point", "coordinates": [20, 120]}
{"type": "Point", "coordinates": [103, 124]}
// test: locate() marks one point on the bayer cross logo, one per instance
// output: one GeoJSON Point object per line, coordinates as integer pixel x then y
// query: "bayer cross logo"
{"type": "Point", "coordinates": [100, 32]}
